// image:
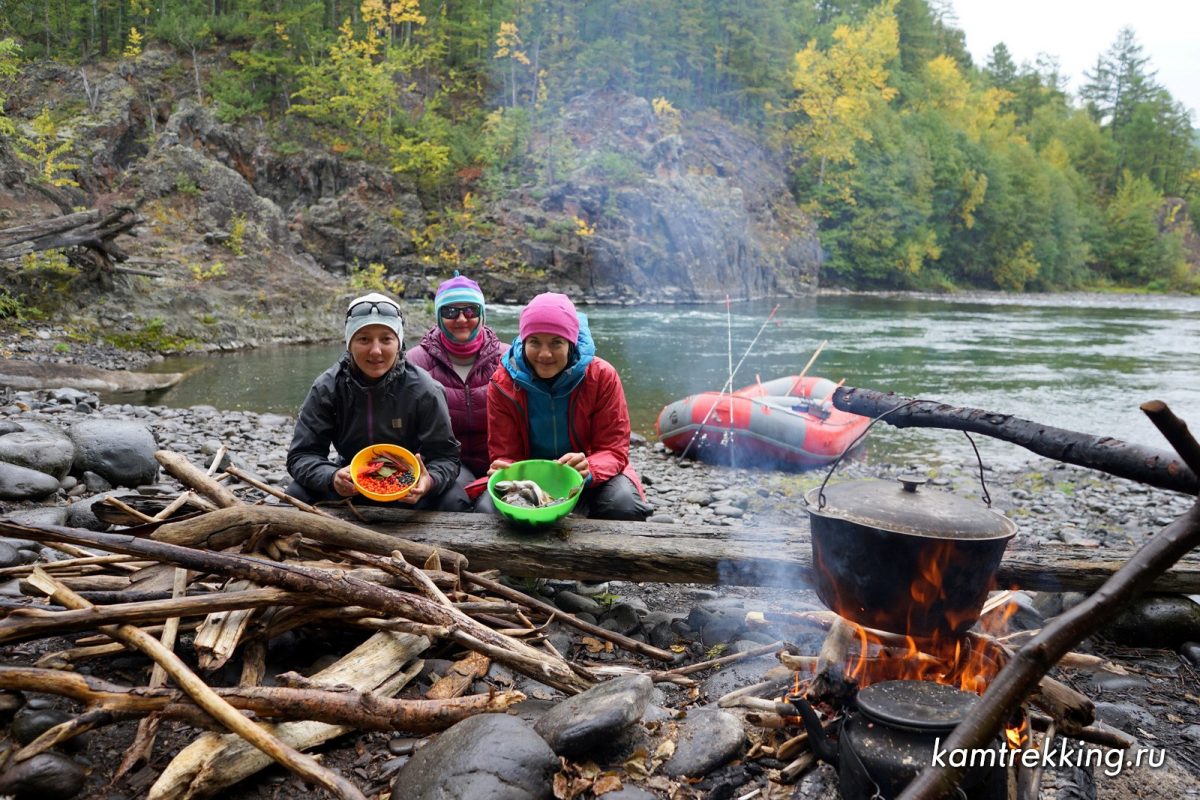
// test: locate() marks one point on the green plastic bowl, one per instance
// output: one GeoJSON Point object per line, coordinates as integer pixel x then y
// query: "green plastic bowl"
{"type": "Point", "coordinates": [556, 479]}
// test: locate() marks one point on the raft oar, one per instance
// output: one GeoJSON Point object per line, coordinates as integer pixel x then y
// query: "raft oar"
{"type": "Point", "coordinates": [729, 383]}
{"type": "Point", "coordinates": [811, 361]}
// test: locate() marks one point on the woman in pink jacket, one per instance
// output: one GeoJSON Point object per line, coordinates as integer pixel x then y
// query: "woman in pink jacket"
{"type": "Point", "coordinates": [461, 352]}
{"type": "Point", "coordinates": [552, 397]}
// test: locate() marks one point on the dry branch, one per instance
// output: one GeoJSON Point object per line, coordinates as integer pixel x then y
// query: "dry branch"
{"type": "Point", "coordinates": [363, 710]}
{"type": "Point", "coordinates": [21, 626]}
{"type": "Point", "coordinates": [232, 526]}
{"type": "Point", "coordinates": [215, 761]}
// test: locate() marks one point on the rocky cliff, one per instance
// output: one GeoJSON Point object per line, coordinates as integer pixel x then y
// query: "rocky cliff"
{"type": "Point", "coordinates": [251, 239]}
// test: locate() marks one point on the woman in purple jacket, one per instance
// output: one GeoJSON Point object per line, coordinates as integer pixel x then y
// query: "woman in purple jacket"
{"type": "Point", "coordinates": [461, 353]}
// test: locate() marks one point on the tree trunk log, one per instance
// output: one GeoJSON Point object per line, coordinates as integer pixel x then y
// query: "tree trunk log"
{"type": "Point", "coordinates": [598, 550]}
{"type": "Point", "coordinates": [1158, 468]}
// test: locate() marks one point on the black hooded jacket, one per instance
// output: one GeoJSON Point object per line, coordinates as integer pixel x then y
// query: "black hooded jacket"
{"type": "Point", "coordinates": [405, 407]}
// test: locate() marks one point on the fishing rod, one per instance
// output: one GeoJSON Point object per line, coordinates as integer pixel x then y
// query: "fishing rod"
{"type": "Point", "coordinates": [729, 352]}
{"type": "Point", "coordinates": [729, 383]}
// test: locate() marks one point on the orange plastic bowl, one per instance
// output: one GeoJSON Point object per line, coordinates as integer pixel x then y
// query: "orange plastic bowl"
{"type": "Point", "coordinates": [364, 456]}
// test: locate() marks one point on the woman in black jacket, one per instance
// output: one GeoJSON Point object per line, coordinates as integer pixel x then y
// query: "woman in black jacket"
{"type": "Point", "coordinates": [373, 396]}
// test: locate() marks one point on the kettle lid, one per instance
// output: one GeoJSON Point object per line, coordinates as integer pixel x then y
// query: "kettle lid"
{"type": "Point", "coordinates": [899, 507]}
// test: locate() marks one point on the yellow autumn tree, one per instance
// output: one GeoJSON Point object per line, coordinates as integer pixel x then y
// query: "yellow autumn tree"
{"type": "Point", "coordinates": [45, 150]}
{"type": "Point", "coordinates": [508, 45]}
{"type": "Point", "coordinates": [839, 88]}
{"type": "Point", "coordinates": [976, 112]}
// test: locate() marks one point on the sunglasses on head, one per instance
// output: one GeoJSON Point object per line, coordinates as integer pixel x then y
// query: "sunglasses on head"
{"type": "Point", "coordinates": [380, 307]}
{"type": "Point", "coordinates": [450, 312]}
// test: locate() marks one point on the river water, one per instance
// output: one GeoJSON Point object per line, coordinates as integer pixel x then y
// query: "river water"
{"type": "Point", "coordinates": [1080, 362]}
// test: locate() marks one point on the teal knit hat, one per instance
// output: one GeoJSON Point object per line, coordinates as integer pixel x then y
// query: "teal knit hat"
{"type": "Point", "coordinates": [459, 290]}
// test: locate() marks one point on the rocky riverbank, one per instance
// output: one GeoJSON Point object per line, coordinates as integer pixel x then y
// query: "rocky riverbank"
{"type": "Point", "coordinates": [1152, 697]}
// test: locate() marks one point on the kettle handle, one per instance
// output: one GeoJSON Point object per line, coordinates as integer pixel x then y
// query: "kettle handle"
{"type": "Point", "coordinates": [987, 497]}
{"type": "Point", "coordinates": [851, 446]}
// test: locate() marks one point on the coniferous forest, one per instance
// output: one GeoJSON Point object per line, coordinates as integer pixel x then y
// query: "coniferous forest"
{"type": "Point", "coordinates": [923, 169]}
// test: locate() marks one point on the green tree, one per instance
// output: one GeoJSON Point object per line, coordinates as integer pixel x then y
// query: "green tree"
{"type": "Point", "coordinates": [1134, 252]}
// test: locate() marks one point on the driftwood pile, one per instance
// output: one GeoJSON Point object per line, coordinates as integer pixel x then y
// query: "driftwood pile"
{"type": "Point", "coordinates": [237, 575]}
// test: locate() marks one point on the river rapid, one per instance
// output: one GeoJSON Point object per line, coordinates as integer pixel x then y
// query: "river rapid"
{"type": "Point", "coordinates": [1080, 362]}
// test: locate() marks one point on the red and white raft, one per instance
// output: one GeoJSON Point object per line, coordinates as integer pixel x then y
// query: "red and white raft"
{"type": "Point", "coordinates": [788, 422]}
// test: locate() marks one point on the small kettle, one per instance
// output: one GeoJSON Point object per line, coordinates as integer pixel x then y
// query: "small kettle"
{"type": "Point", "coordinates": [892, 732]}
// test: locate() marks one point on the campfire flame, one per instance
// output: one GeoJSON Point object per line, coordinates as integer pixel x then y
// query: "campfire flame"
{"type": "Point", "coordinates": [969, 663]}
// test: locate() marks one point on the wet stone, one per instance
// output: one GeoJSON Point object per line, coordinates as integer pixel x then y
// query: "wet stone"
{"type": "Point", "coordinates": [1126, 716]}
{"type": "Point", "coordinates": [598, 718]}
{"type": "Point", "coordinates": [1191, 651]}
{"type": "Point", "coordinates": [9, 555]}
{"type": "Point", "coordinates": [1165, 621]}
{"type": "Point", "coordinates": [622, 618]}
{"type": "Point", "coordinates": [490, 755]}
{"type": "Point", "coordinates": [708, 738]}
{"type": "Point", "coordinates": [577, 603]}
{"type": "Point", "coordinates": [23, 483]}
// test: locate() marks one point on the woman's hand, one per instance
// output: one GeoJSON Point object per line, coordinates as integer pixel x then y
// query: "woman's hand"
{"type": "Point", "coordinates": [578, 462]}
{"type": "Point", "coordinates": [497, 465]}
{"type": "Point", "coordinates": [343, 484]}
{"type": "Point", "coordinates": [421, 487]}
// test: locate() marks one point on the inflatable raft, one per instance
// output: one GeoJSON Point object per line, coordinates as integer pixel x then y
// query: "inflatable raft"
{"type": "Point", "coordinates": [788, 422]}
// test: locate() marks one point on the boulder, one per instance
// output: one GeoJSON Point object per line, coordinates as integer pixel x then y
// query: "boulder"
{"type": "Point", "coordinates": [598, 718]}
{"type": "Point", "coordinates": [44, 449]}
{"type": "Point", "coordinates": [1161, 620]}
{"type": "Point", "coordinates": [707, 739]}
{"type": "Point", "coordinates": [120, 451]}
{"type": "Point", "coordinates": [489, 755]}
{"type": "Point", "coordinates": [22, 483]}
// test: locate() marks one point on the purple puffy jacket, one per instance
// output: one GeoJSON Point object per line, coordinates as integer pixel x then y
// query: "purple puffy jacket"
{"type": "Point", "coordinates": [467, 401]}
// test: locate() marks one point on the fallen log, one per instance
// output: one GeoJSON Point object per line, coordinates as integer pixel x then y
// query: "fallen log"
{"type": "Point", "coordinates": [93, 229]}
{"type": "Point", "coordinates": [598, 550]}
{"type": "Point", "coordinates": [1159, 468]}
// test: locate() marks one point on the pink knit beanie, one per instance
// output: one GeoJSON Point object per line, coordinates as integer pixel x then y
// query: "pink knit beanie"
{"type": "Point", "coordinates": [550, 313]}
